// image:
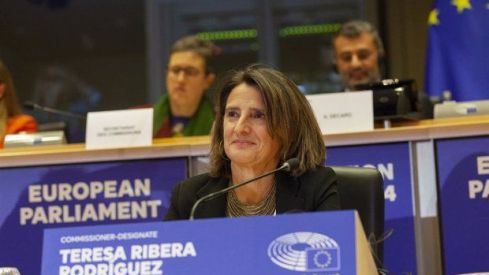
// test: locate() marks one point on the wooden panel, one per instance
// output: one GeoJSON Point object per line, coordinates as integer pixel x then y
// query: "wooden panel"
{"type": "Point", "coordinates": [197, 146]}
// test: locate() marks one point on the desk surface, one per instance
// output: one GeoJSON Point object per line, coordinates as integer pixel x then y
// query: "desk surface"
{"type": "Point", "coordinates": [198, 146]}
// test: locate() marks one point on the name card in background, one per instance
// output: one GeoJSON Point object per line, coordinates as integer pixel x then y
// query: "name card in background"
{"type": "Point", "coordinates": [343, 112]}
{"type": "Point", "coordinates": [114, 129]}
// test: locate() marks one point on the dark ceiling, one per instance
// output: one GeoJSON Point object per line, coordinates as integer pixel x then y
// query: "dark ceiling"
{"type": "Point", "coordinates": [59, 28]}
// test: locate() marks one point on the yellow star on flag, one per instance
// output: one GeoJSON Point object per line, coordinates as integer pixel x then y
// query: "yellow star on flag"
{"type": "Point", "coordinates": [433, 18]}
{"type": "Point", "coordinates": [462, 5]}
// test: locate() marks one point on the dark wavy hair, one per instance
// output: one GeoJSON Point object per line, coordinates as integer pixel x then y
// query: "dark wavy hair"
{"type": "Point", "coordinates": [204, 48]}
{"type": "Point", "coordinates": [289, 116]}
{"type": "Point", "coordinates": [355, 28]}
{"type": "Point", "coordinates": [9, 97]}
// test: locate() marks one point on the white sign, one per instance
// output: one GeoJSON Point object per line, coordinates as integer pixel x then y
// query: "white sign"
{"type": "Point", "coordinates": [115, 129]}
{"type": "Point", "coordinates": [343, 112]}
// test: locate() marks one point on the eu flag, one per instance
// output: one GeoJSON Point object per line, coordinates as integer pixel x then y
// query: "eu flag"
{"type": "Point", "coordinates": [458, 49]}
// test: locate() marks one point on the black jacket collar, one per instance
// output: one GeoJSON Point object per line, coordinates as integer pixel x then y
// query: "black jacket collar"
{"type": "Point", "coordinates": [287, 197]}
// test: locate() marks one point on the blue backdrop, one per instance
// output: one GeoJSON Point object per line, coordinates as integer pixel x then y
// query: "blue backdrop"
{"type": "Point", "coordinates": [35, 198]}
{"type": "Point", "coordinates": [463, 178]}
{"type": "Point", "coordinates": [393, 161]}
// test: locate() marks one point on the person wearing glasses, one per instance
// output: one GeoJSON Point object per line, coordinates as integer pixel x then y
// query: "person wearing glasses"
{"type": "Point", "coordinates": [12, 121]}
{"type": "Point", "coordinates": [185, 110]}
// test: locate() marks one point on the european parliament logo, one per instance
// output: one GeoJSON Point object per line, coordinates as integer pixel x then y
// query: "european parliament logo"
{"type": "Point", "coordinates": [305, 252]}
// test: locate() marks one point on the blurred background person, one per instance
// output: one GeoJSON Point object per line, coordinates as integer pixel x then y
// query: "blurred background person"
{"type": "Point", "coordinates": [58, 88]}
{"type": "Point", "coordinates": [359, 56]}
{"type": "Point", "coordinates": [185, 110]}
{"type": "Point", "coordinates": [262, 121]}
{"type": "Point", "coordinates": [12, 121]}
{"type": "Point", "coordinates": [358, 53]}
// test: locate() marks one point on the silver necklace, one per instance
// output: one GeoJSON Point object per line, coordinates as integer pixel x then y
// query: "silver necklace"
{"type": "Point", "coordinates": [267, 206]}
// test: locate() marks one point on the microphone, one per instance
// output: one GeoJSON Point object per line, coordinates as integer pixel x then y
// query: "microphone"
{"type": "Point", "coordinates": [288, 166]}
{"type": "Point", "coordinates": [34, 106]}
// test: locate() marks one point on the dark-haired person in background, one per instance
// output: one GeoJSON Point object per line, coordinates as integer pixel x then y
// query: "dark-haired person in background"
{"type": "Point", "coordinates": [185, 110]}
{"type": "Point", "coordinates": [358, 55]}
{"type": "Point", "coordinates": [12, 121]}
{"type": "Point", "coordinates": [262, 120]}
{"type": "Point", "coordinates": [358, 50]}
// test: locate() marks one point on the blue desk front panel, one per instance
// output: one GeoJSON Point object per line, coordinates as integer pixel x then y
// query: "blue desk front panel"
{"type": "Point", "coordinates": [308, 243]}
{"type": "Point", "coordinates": [393, 161]}
{"type": "Point", "coordinates": [35, 198]}
{"type": "Point", "coordinates": [463, 178]}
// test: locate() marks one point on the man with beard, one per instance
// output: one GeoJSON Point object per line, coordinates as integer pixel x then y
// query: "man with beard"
{"type": "Point", "coordinates": [358, 54]}
{"type": "Point", "coordinates": [358, 50]}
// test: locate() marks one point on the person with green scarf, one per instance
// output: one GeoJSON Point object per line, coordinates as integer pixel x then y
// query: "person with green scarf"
{"type": "Point", "coordinates": [185, 110]}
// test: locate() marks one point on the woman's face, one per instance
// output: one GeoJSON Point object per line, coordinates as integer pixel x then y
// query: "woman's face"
{"type": "Point", "coordinates": [247, 142]}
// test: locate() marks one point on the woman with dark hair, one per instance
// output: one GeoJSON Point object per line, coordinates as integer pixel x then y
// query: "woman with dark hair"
{"type": "Point", "coordinates": [262, 120]}
{"type": "Point", "coordinates": [12, 121]}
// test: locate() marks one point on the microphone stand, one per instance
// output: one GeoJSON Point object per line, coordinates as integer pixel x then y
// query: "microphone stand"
{"type": "Point", "coordinates": [34, 106]}
{"type": "Point", "coordinates": [286, 166]}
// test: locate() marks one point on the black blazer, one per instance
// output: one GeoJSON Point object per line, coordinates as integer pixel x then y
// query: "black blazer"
{"type": "Point", "coordinates": [314, 190]}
